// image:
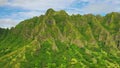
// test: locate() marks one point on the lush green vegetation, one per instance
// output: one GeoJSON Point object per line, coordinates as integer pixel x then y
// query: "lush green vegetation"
{"type": "Point", "coordinates": [58, 40]}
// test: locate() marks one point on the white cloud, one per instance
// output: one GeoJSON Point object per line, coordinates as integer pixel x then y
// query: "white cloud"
{"type": "Point", "coordinates": [98, 7]}
{"type": "Point", "coordinates": [25, 15]}
{"type": "Point", "coordinates": [7, 23]}
{"type": "Point", "coordinates": [3, 2]}
{"type": "Point", "coordinates": [41, 4]}
{"type": "Point", "coordinates": [93, 6]}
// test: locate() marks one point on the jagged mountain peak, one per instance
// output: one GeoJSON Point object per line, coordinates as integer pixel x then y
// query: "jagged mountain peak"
{"type": "Point", "coordinates": [50, 11]}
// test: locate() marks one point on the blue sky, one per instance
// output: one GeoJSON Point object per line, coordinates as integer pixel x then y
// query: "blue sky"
{"type": "Point", "coordinates": [14, 11]}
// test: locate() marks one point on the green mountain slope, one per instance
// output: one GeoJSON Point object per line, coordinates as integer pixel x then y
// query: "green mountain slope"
{"type": "Point", "coordinates": [59, 40]}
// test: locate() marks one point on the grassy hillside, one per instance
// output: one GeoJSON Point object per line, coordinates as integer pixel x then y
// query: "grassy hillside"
{"type": "Point", "coordinates": [59, 40]}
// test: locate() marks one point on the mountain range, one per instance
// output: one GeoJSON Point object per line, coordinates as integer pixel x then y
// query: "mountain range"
{"type": "Point", "coordinates": [59, 40]}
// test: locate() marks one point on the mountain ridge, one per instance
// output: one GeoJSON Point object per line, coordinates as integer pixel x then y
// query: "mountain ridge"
{"type": "Point", "coordinates": [57, 39]}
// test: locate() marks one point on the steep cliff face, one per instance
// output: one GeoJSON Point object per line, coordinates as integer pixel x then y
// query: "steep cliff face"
{"type": "Point", "coordinates": [57, 39]}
